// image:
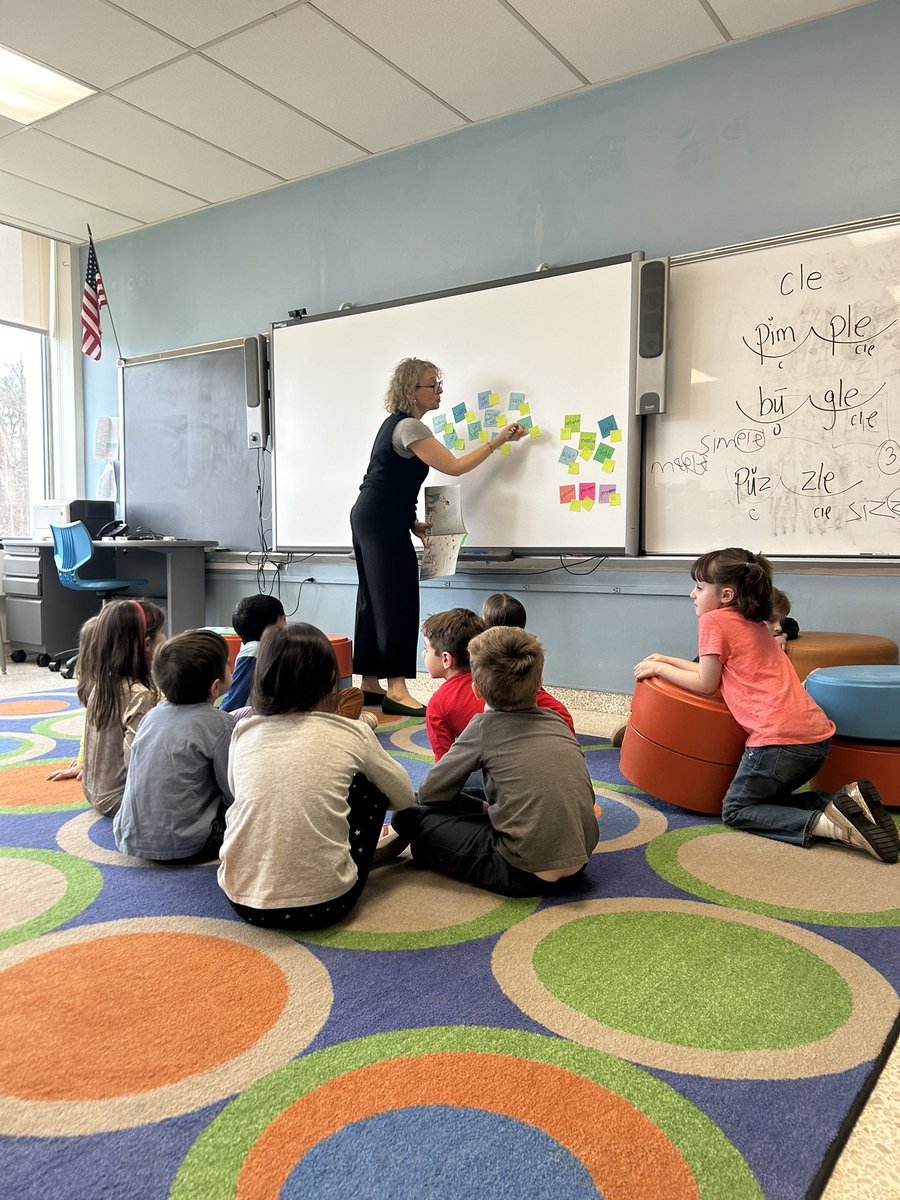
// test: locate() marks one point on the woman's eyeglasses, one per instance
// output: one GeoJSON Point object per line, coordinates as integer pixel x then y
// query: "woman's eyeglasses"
{"type": "Point", "coordinates": [437, 386]}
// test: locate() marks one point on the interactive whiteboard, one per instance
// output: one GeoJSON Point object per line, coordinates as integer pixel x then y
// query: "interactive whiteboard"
{"type": "Point", "coordinates": [783, 426]}
{"type": "Point", "coordinates": [562, 339]}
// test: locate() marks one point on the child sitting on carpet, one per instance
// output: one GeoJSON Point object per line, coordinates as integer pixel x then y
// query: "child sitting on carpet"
{"type": "Point", "coordinates": [503, 609]}
{"type": "Point", "coordinates": [251, 617]}
{"type": "Point", "coordinates": [788, 735]}
{"type": "Point", "coordinates": [82, 690]}
{"type": "Point", "coordinates": [116, 689]}
{"type": "Point", "coordinates": [311, 790]}
{"type": "Point", "coordinates": [538, 827]}
{"type": "Point", "coordinates": [177, 788]}
{"type": "Point", "coordinates": [446, 656]}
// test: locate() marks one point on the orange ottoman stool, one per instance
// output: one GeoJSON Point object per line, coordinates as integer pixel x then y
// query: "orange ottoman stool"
{"type": "Point", "coordinates": [681, 748]}
{"type": "Point", "coordinates": [826, 649]}
{"type": "Point", "coordinates": [343, 652]}
{"type": "Point", "coordinates": [849, 760]}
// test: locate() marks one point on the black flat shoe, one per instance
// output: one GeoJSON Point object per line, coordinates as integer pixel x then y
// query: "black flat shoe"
{"type": "Point", "coordinates": [394, 709]}
{"type": "Point", "coordinates": [373, 699]}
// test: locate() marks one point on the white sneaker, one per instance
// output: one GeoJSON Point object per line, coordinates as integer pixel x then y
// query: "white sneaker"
{"type": "Point", "coordinates": [370, 719]}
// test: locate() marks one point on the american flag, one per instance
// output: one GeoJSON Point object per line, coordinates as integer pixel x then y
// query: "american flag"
{"type": "Point", "coordinates": [92, 301]}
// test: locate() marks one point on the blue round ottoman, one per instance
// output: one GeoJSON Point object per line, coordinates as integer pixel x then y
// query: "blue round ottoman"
{"type": "Point", "coordinates": [863, 702]}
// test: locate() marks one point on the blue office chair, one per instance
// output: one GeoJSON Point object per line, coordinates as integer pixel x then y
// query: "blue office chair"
{"type": "Point", "coordinates": [72, 548]}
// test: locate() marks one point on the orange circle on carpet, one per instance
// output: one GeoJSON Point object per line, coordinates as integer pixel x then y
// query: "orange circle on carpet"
{"type": "Point", "coordinates": [28, 787]}
{"type": "Point", "coordinates": [75, 1013]}
{"type": "Point", "coordinates": [634, 1157]}
{"type": "Point", "coordinates": [27, 708]}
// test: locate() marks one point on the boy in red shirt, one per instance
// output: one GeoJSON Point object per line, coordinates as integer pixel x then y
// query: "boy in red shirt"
{"type": "Point", "coordinates": [446, 656]}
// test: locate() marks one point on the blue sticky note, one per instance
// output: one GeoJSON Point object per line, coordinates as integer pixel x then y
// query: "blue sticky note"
{"type": "Point", "coordinates": [568, 455]}
{"type": "Point", "coordinates": [516, 399]}
{"type": "Point", "coordinates": [438, 422]}
{"type": "Point", "coordinates": [484, 399]}
{"type": "Point", "coordinates": [474, 428]}
{"type": "Point", "coordinates": [526, 421]}
{"type": "Point", "coordinates": [607, 425]}
{"type": "Point", "coordinates": [490, 416]}
{"type": "Point", "coordinates": [450, 439]}
{"type": "Point", "coordinates": [459, 411]}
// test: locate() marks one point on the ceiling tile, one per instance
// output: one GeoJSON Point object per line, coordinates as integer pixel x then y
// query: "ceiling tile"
{"type": "Point", "coordinates": [746, 20]}
{"type": "Point", "coordinates": [473, 54]}
{"type": "Point", "coordinates": [321, 71]}
{"type": "Point", "coordinates": [199, 21]}
{"type": "Point", "coordinates": [621, 37]}
{"type": "Point", "coordinates": [208, 101]}
{"type": "Point", "coordinates": [115, 130]}
{"type": "Point", "coordinates": [30, 206]}
{"type": "Point", "coordinates": [7, 126]}
{"type": "Point", "coordinates": [45, 160]}
{"type": "Point", "coordinates": [85, 39]}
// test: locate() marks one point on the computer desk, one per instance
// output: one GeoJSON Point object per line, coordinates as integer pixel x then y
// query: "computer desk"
{"type": "Point", "coordinates": [174, 568]}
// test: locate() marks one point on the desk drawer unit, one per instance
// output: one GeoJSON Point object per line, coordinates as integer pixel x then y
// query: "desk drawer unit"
{"type": "Point", "coordinates": [42, 617]}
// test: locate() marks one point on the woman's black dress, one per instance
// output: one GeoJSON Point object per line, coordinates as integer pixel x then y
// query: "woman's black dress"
{"type": "Point", "coordinates": [387, 599]}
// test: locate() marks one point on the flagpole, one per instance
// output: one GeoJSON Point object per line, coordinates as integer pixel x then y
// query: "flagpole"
{"type": "Point", "coordinates": [107, 305]}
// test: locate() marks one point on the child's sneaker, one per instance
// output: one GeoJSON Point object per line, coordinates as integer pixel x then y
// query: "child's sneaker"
{"type": "Point", "coordinates": [618, 734]}
{"type": "Point", "coordinates": [390, 846]}
{"type": "Point", "coordinates": [370, 719]}
{"type": "Point", "coordinates": [857, 812]}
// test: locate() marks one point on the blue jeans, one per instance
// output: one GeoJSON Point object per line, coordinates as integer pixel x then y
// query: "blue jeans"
{"type": "Point", "coordinates": [761, 796]}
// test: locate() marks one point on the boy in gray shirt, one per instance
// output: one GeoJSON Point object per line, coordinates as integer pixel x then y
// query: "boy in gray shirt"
{"type": "Point", "coordinates": [537, 827]}
{"type": "Point", "coordinates": [176, 791]}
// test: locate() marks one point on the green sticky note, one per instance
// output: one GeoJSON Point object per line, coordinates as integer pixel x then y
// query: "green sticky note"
{"type": "Point", "coordinates": [572, 421]}
{"type": "Point", "coordinates": [603, 452]}
{"type": "Point", "coordinates": [615, 499]}
{"type": "Point", "coordinates": [585, 453]}
{"type": "Point", "coordinates": [565, 435]}
{"type": "Point", "coordinates": [575, 506]}
{"type": "Point", "coordinates": [574, 468]}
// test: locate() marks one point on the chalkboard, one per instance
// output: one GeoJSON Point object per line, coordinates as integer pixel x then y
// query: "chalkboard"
{"type": "Point", "coordinates": [562, 338]}
{"type": "Point", "coordinates": [783, 426]}
{"type": "Point", "coordinates": [186, 468]}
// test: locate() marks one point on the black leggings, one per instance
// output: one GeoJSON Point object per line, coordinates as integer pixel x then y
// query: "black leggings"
{"type": "Point", "coordinates": [368, 807]}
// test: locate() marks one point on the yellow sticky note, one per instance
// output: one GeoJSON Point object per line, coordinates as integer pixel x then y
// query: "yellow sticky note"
{"type": "Point", "coordinates": [565, 435]}
{"type": "Point", "coordinates": [586, 454]}
{"type": "Point", "coordinates": [574, 468]}
{"type": "Point", "coordinates": [470, 416]}
{"type": "Point", "coordinates": [524, 409]}
{"type": "Point", "coordinates": [483, 435]}
{"type": "Point", "coordinates": [501, 418]}
{"type": "Point", "coordinates": [504, 449]}
{"type": "Point", "coordinates": [609, 465]}
{"type": "Point", "coordinates": [575, 505]}
{"type": "Point", "coordinates": [495, 399]}
{"type": "Point", "coordinates": [587, 504]}
{"type": "Point", "coordinates": [616, 435]}
{"type": "Point", "coordinates": [460, 443]}
{"type": "Point", "coordinates": [615, 499]}
{"type": "Point", "coordinates": [534, 431]}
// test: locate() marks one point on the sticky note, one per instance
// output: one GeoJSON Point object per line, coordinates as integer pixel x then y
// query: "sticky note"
{"type": "Point", "coordinates": [565, 435]}
{"type": "Point", "coordinates": [489, 416]}
{"type": "Point", "coordinates": [587, 491]}
{"type": "Point", "coordinates": [504, 449]}
{"type": "Point", "coordinates": [473, 429]}
{"type": "Point", "coordinates": [575, 506]}
{"type": "Point", "coordinates": [495, 399]}
{"type": "Point", "coordinates": [572, 421]}
{"type": "Point", "coordinates": [501, 418]}
{"type": "Point", "coordinates": [526, 421]}
{"type": "Point", "coordinates": [484, 399]}
{"type": "Point", "coordinates": [483, 435]}
{"type": "Point", "coordinates": [616, 435]}
{"type": "Point", "coordinates": [586, 453]}
{"type": "Point", "coordinates": [609, 465]}
{"type": "Point", "coordinates": [567, 455]}
{"type": "Point", "coordinates": [587, 504]}
{"type": "Point", "coordinates": [450, 438]}
{"type": "Point", "coordinates": [524, 409]}
{"type": "Point", "coordinates": [607, 425]}
{"type": "Point", "coordinates": [459, 412]}
{"type": "Point", "coordinates": [587, 441]}
{"type": "Point", "coordinates": [515, 399]}
{"type": "Point", "coordinates": [470, 416]}
{"type": "Point", "coordinates": [574, 468]}
{"type": "Point", "coordinates": [604, 491]}
{"type": "Point", "coordinates": [534, 431]}
{"type": "Point", "coordinates": [460, 444]}
{"type": "Point", "coordinates": [603, 452]}
{"type": "Point", "coordinates": [567, 493]}
{"type": "Point", "coordinates": [615, 500]}
{"type": "Point", "coordinates": [438, 422]}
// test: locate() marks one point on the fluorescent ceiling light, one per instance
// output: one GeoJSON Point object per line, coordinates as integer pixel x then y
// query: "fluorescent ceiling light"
{"type": "Point", "coordinates": [29, 91]}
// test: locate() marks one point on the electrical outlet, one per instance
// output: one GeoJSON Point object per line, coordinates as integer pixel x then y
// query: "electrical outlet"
{"type": "Point", "coordinates": [616, 589]}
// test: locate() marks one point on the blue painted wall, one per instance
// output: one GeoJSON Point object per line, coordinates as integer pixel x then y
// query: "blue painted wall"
{"type": "Point", "coordinates": [791, 131]}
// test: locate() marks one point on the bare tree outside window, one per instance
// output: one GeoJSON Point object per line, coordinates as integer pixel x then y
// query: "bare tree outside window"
{"type": "Point", "coordinates": [14, 491]}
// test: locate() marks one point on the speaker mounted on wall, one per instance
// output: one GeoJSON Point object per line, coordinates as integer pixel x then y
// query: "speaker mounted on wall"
{"type": "Point", "coordinates": [256, 380]}
{"type": "Point", "coordinates": [653, 304]}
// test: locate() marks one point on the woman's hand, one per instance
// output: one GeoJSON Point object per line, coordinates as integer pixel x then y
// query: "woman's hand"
{"type": "Point", "coordinates": [421, 529]}
{"type": "Point", "coordinates": [510, 433]}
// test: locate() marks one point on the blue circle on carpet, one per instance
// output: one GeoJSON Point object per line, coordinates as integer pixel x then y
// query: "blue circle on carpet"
{"type": "Point", "coordinates": [439, 1152]}
{"type": "Point", "coordinates": [101, 834]}
{"type": "Point", "coordinates": [616, 820]}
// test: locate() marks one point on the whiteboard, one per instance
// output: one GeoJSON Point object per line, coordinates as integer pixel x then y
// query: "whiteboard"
{"type": "Point", "coordinates": [564, 338]}
{"type": "Point", "coordinates": [783, 426]}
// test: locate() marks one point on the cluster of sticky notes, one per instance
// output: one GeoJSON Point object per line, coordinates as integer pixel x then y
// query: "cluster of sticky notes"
{"type": "Point", "coordinates": [483, 419]}
{"type": "Point", "coordinates": [589, 494]}
{"type": "Point", "coordinates": [586, 446]}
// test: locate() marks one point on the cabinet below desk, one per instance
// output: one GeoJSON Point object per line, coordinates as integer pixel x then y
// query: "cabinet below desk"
{"type": "Point", "coordinates": [42, 617]}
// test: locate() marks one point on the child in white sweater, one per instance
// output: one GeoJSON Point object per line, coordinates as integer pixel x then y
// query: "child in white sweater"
{"type": "Point", "coordinates": [311, 789]}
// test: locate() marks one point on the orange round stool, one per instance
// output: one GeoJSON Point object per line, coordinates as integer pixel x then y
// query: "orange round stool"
{"type": "Point", "coordinates": [234, 646]}
{"type": "Point", "coordinates": [827, 649]}
{"type": "Point", "coordinates": [683, 749]}
{"type": "Point", "coordinates": [849, 760]}
{"type": "Point", "coordinates": [343, 652]}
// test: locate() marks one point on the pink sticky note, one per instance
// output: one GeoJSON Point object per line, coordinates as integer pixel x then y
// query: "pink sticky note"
{"type": "Point", "coordinates": [587, 491]}
{"type": "Point", "coordinates": [567, 493]}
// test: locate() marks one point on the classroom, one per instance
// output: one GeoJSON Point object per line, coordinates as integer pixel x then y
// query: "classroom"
{"type": "Point", "coordinates": [564, 141]}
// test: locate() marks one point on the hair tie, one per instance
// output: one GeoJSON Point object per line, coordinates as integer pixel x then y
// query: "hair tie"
{"type": "Point", "coordinates": [137, 604]}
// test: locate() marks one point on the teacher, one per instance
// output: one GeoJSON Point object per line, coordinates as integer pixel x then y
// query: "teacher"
{"type": "Point", "coordinates": [387, 601]}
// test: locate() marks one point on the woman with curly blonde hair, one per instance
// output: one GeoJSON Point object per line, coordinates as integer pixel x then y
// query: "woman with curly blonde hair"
{"type": "Point", "coordinates": [384, 515]}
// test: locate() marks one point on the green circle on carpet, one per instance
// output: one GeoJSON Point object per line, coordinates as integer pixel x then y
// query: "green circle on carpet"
{"type": "Point", "coordinates": [662, 857]}
{"type": "Point", "coordinates": [690, 981]}
{"type": "Point", "coordinates": [83, 885]}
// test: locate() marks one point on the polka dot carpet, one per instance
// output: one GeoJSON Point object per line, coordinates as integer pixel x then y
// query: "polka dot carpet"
{"type": "Point", "coordinates": [695, 1020]}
